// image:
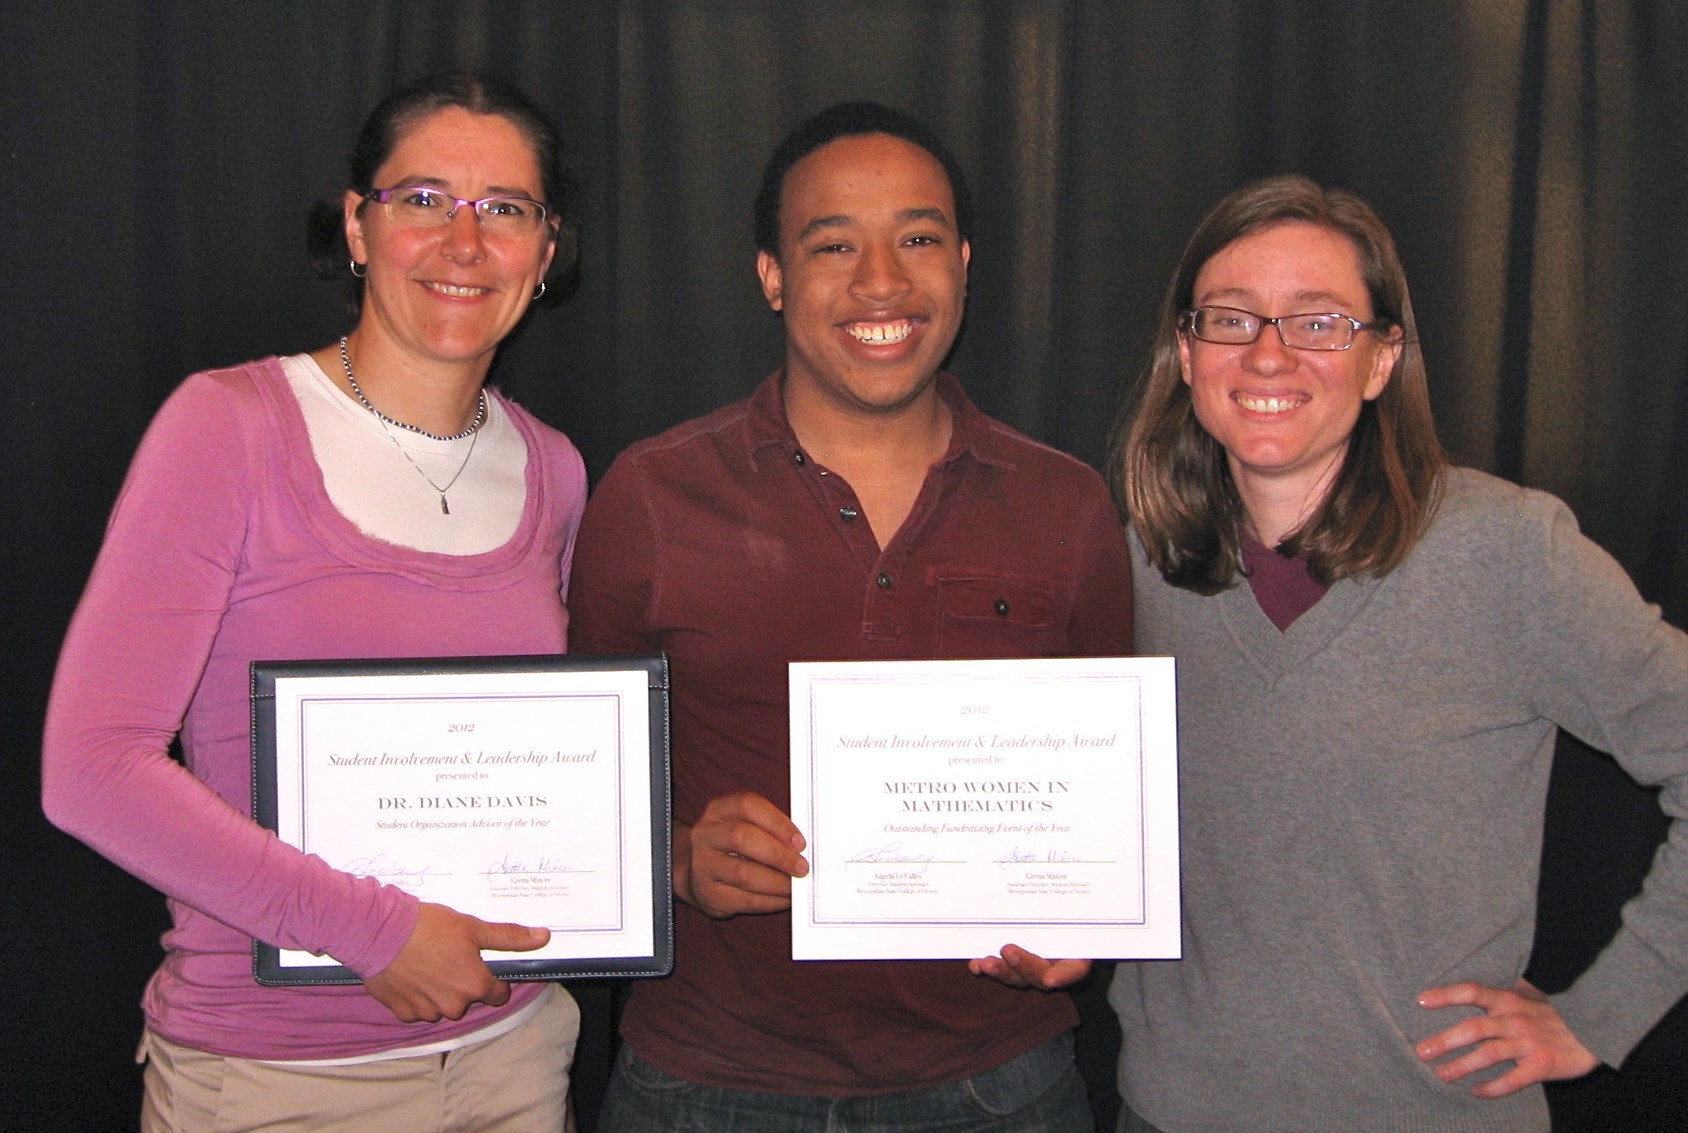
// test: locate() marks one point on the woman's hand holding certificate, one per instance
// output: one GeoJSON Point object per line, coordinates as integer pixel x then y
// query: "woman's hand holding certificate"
{"type": "Point", "coordinates": [439, 973]}
{"type": "Point", "coordinates": [500, 792]}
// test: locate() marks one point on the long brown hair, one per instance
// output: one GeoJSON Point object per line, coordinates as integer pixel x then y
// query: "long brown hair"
{"type": "Point", "coordinates": [1171, 479]}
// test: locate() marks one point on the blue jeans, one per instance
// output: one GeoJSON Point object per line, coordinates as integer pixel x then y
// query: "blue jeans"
{"type": "Point", "coordinates": [1038, 1092]}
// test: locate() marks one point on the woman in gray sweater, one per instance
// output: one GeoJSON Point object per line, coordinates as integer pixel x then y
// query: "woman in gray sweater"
{"type": "Point", "coordinates": [1375, 651]}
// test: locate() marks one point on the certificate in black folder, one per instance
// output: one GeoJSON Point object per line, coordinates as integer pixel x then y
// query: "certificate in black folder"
{"type": "Point", "coordinates": [525, 789]}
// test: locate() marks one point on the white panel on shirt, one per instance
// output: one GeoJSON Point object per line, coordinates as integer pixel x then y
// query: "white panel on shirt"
{"type": "Point", "coordinates": [373, 485]}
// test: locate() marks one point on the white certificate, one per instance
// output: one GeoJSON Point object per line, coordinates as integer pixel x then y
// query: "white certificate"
{"type": "Point", "coordinates": [531, 790]}
{"type": "Point", "coordinates": [953, 807]}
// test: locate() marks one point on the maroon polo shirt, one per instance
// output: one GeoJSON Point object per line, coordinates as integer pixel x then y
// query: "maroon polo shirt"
{"type": "Point", "coordinates": [726, 546]}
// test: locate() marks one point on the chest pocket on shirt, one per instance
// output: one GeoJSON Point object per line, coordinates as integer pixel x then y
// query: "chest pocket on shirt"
{"type": "Point", "coordinates": [982, 616]}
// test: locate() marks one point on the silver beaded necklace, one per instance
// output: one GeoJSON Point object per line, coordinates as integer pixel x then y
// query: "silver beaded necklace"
{"type": "Point", "coordinates": [473, 432]}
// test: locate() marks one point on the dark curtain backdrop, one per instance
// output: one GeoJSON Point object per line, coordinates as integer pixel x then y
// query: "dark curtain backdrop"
{"type": "Point", "coordinates": [156, 159]}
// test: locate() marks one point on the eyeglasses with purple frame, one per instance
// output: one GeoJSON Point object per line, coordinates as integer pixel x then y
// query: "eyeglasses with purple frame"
{"type": "Point", "coordinates": [420, 206]}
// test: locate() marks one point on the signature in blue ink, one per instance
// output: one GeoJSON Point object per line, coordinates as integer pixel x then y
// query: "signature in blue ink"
{"type": "Point", "coordinates": [380, 865]}
{"type": "Point", "coordinates": [888, 853]}
{"type": "Point", "coordinates": [1017, 856]}
{"type": "Point", "coordinates": [508, 864]}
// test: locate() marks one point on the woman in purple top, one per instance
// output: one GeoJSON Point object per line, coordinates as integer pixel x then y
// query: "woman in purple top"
{"type": "Point", "coordinates": [370, 499]}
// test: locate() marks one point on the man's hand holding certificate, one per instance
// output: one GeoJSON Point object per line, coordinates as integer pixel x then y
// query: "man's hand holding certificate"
{"type": "Point", "coordinates": [739, 857]}
{"type": "Point", "coordinates": [953, 807]}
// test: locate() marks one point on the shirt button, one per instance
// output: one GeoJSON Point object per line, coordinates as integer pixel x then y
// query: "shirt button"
{"type": "Point", "coordinates": [1002, 607]}
{"type": "Point", "coordinates": [799, 458]}
{"type": "Point", "coordinates": [848, 514]}
{"type": "Point", "coordinates": [883, 581]}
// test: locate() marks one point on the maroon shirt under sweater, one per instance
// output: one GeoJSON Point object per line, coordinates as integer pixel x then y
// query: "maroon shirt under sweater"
{"type": "Point", "coordinates": [721, 543]}
{"type": "Point", "coordinates": [1281, 584]}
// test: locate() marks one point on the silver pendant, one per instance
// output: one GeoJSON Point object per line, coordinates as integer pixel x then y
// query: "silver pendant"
{"type": "Point", "coordinates": [443, 509]}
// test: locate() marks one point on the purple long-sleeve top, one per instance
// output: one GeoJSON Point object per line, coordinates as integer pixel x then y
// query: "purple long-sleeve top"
{"type": "Point", "coordinates": [224, 548]}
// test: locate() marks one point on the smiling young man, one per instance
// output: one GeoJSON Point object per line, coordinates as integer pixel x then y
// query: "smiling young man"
{"type": "Point", "coordinates": [856, 507]}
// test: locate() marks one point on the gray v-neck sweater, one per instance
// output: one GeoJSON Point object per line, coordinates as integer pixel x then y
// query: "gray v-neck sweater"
{"type": "Point", "coordinates": [1362, 799]}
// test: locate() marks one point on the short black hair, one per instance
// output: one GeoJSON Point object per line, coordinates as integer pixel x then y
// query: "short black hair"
{"type": "Point", "coordinates": [848, 120]}
{"type": "Point", "coordinates": [392, 119]}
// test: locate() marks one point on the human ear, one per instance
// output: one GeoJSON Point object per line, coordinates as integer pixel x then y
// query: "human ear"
{"type": "Point", "coordinates": [773, 280]}
{"type": "Point", "coordinates": [1383, 365]}
{"type": "Point", "coordinates": [355, 241]}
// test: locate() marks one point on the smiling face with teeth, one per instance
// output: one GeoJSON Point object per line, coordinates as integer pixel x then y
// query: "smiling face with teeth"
{"type": "Point", "coordinates": [448, 295]}
{"type": "Point", "coordinates": [871, 275]}
{"type": "Point", "coordinates": [1282, 415]}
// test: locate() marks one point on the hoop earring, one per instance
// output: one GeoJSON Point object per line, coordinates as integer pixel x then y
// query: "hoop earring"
{"type": "Point", "coordinates": [539, 294]}
{"type": "Point", "coordinates": [356, 274]}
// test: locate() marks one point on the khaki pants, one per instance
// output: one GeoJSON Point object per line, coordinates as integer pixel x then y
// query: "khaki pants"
{"type": "Point", "coordinates": [515, 1083]}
